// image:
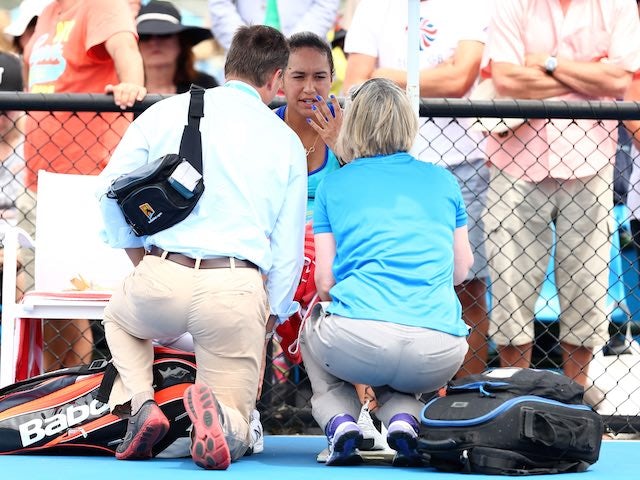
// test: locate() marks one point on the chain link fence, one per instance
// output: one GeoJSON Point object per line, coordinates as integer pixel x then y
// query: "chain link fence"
{"type": "Point", "coordinates": [81, 131]}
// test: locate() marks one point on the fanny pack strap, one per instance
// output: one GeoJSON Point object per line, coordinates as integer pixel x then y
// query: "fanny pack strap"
{"type": "Point", "coordinates": [191, 143]}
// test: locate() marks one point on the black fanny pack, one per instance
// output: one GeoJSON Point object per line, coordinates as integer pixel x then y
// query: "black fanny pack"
{"type": "Point", "coordinates": [164, 192]}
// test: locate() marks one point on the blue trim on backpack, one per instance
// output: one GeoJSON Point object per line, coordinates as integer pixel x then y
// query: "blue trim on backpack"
{"type": "Point", "coordinates": [494, 413]}
{"type": "Point", "coordinates": [481, 386]}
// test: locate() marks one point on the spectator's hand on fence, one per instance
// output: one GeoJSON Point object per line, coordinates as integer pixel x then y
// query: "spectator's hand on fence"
{"type": "Point", "coordinates": [126, 94]}
{"type": "Point", "coordinates": [327, 120]}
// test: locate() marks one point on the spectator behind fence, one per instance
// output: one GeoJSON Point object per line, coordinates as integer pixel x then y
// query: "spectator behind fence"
{"type": "Point", "coordinates": [78, 46]}
{"type": "Point", "coordinates": [288, 16]}
{"type": "Point", "coordinates": [166, 48]}
{"type": "Point", "coordinates": [633, 196]}
{"type": "Point", "coordinates": [390, 317]}
{"type": "Point", "coordinates": [556, 171]}
{"type": "Point", "coordinates": [11, 152]}
{"type": "Point", "coordinates": [23, 25]}
{"type": "Point", "coordinates": [204, 275]}
{"type": "Point", "coordinates": [452, 37]}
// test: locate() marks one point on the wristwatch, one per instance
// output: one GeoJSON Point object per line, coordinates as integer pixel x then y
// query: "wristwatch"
{"type": "Point", "coordinates": [550, 65]}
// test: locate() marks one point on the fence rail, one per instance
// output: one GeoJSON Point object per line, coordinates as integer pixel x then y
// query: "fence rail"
{"type": "Point", "coordinates": [446, 107]}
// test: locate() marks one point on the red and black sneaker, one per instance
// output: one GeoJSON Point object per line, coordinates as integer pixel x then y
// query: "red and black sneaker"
{"type": "Point", "coordinates": [209, 448]}
{"type": "Point", "coordinates": [144, 429]}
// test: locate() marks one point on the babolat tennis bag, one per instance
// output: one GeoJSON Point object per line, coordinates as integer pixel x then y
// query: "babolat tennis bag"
{"type": "Point", "coordinates": [511, 421]}
{"type": "Point", "coordinates": [59, 413]}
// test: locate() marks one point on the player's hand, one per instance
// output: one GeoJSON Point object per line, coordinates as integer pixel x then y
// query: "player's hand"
{"type": "Point", "coordinates": [327, 120]}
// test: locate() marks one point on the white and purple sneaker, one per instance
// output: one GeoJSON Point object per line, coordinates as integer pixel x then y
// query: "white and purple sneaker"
{"type": "Point", "coordinates": [402, 436]}
{"type": "Point", "coordinates": [345, 437]}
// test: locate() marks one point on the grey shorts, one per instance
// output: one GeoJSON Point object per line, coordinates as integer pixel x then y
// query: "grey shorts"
{"type": "Point", "coordinates": [473, 177]}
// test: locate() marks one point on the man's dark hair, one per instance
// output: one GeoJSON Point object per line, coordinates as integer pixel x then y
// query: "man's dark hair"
{"type": "Point", "coordinates": [314, 41]}
{"type": "Point", "coordinates": [256, 53]}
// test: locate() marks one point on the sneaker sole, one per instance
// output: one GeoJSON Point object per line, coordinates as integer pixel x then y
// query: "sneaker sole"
{"type": "Point", "coordinates": [405, 446]}
{"type": "Point", "coordinates": [368, 444]}
{"type": "Point", "coordinates": [345, 450]}
{"type": "Point", "coordinates": [151, 432]}
{"type": "Point", "coordinates": [209, 448]}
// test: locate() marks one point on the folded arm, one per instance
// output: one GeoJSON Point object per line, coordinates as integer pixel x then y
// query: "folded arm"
{"type": "Point", "coordinates": [530, 81]}
{"type": "Point", "coordinates": [591, 79]}
{"type": "Point", "coordinates": [452, 78]}
{"type": "Point", "coordinates": [518, 81]}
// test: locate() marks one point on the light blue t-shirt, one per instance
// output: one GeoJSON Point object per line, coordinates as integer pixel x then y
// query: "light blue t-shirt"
{"type": "Point", "coordinates": [393, 219]}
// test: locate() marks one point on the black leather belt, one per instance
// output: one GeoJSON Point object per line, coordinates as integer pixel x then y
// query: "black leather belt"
{"type": "Point", "coordinates": [220, 262]}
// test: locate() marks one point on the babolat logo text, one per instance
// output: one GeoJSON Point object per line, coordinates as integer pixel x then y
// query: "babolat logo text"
{"type": "Point", "coordinates": [35, 430]}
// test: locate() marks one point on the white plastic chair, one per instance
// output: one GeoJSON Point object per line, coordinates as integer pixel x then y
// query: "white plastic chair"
{"type": "Point", "coordinates": [68, 246]}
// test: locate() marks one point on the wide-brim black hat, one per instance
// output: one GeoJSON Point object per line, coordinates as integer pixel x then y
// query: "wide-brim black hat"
{"type": "Point", "coordinates": [162, 18]}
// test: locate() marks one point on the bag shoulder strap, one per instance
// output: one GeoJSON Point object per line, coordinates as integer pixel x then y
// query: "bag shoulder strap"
{"type": "Point", "coordinates": [191, 143]}
{"type": "Point", "coordinates": [111, 372]}
{"type": "Point", "coordinates": [106, 385]}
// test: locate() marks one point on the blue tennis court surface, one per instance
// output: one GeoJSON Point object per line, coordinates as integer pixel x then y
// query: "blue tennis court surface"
{"type": "Point", "coordinates": [284, 458]}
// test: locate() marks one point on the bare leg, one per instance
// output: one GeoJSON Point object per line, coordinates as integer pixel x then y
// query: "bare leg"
{"type": "Point", "coordinates": [472, 296]}
{"type": "Point", "coordinates": [67, 343]}
{"type": "Point", "coordinates": [515, 355]}
{"type": "Point", "coordinates": [576, 362]}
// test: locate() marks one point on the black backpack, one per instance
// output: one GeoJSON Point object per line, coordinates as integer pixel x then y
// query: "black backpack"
{"type": "Point", "coordinates": [62, 413]}
{"type": "Point", "coordinates": [510, 421]}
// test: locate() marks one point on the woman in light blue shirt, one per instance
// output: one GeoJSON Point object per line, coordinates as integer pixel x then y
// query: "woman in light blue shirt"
{"type": "Point", "coordinates": [391, 242]}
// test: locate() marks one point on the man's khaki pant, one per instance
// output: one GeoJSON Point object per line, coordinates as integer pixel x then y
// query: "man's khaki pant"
{"type": "Point", "coordinates": [225, 310]}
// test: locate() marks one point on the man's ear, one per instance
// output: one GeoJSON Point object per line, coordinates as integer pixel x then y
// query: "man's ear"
{"type": "Point", "coordinates": [275, 81]}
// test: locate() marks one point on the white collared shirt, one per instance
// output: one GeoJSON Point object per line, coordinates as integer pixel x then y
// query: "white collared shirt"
{"type": "Point", "coordinates": [255, 176]}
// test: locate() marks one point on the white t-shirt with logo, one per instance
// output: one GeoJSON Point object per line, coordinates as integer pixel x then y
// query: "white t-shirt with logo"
{"type": "Point", "coordinates": [379, 29]}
